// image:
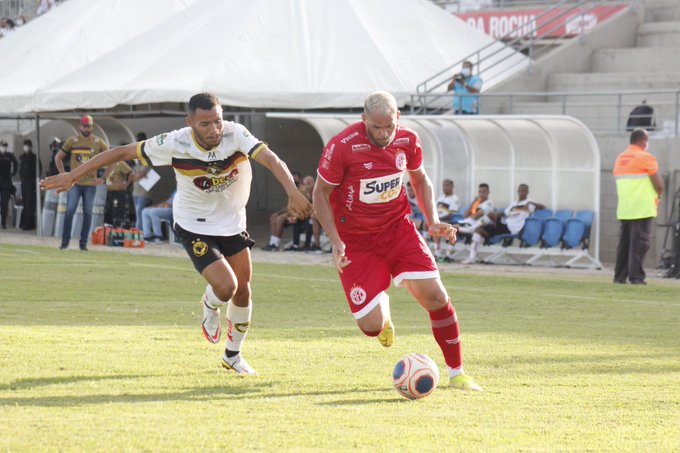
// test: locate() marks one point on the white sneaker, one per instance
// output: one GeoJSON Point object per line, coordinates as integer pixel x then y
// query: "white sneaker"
{"type": "Point", "coordinates": [211, 322]}
{"type": "Point", "coordinates": [469, 261]}
{"type": "Point", "coordinates": [238, 365]}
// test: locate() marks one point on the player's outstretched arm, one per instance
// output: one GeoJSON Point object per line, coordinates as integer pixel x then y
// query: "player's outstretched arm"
{"type": "Point", "coordinates": [422, 186]}
{"type": "Point", "coordinates": [64, 181]}
{"type": "Point", "coordinates": [324, 214]}
{"type": "Point", "coordinates": [298, 205]}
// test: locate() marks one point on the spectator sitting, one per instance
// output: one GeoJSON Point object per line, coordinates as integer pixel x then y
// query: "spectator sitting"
{"type": "Point", "coordinates": [477, 213]}
{"type": "Point", "coordinates": [279, 220]}
{"type": "Point", "coordinates": [641, 116]}
{"type": "Point", "coordinates": [417, 216]}
{"type": "Point", "coordinates": [448, 205]}
{"type": "Point", "coordinates": [310, 226]}
{"type": "Point", "coordinates": [151, 220]}
{"type": "Point", "coordinates": [140, 196]}
{"type": "Point", "coordinates": [511, 221]}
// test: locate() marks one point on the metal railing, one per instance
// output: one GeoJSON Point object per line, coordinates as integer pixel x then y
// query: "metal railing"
{"type": "Point", "coordinates": [526, 38]}
{"type": "Point", "coordinates": [601, 111]}
{"type": "Point", "coordinates": [460, 6]}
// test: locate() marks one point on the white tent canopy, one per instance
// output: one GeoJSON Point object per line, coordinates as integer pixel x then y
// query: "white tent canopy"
{"type": "Point", "coordinates": [297, 54]}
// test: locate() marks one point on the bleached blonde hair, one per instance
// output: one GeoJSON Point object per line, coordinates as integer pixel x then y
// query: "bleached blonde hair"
{"type": "Point", "coordinates": [380, 102]}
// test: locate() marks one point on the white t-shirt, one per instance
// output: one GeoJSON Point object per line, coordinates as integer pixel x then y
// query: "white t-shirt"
{"type": "Point", "coordinates": [213, 185]}
{"type": "Point", "coordinates": [451, 201]}
{"type": "Point", "coordinates": [515, 218]}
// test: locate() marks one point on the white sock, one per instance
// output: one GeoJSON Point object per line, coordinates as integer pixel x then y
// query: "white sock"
{"type": "Point", "coordinates": [453, 372]}
{"type": "Point", "coordinates": [273, 240]}
{"type": "Point", "coordinates": [213, 300]}
{"type": "Point", "coordinates": [238, 321]}
{"type": "Point", "coordinates": [476, 240]}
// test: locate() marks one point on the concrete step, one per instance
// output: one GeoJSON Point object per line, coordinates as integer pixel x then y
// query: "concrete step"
{"type": "Point", "coordinates": [661, 10]}
{"type": "Point", "coordinates": [659, 34]}
{"type": "Point", "coordinates": [614, 82]}
{"type": "Point", "coordinates": [636, 60]}
{"type": "Point", "coordinates": [599, 117]}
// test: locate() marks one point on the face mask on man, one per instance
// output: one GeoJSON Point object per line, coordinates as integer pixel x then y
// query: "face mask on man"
{"type": "Point", "coordinates": [27, 148]}
{"type": "Point", "coordinates": [465, 72]}
{"type": "Point", "coordinates": [4, 148]}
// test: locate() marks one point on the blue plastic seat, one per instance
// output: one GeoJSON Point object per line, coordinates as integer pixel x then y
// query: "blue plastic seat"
{"type": "Point", "coordinates": [531, 234]}
{"type": "Point", "coordinates": [543, 213]}
{"type": "Point", "coordinates": [575, 234]}
{"type": "Point", "coordinates": [563, 215]}
{"type": "Point", "coordinates": [587, 217]}
{"type": "Point", "coordinates": [552, 232]}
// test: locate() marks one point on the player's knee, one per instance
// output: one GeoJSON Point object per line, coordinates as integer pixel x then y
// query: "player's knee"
{"type": "Point", "coordinates": [225, 291]}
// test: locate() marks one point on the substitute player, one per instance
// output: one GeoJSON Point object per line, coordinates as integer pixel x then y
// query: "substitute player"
{"type": "Point", "coordinates": [210, 159]}
{"type": "Point", "coordinates": [360, 201]}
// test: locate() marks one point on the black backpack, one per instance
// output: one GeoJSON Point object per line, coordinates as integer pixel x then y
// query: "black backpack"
{"type": "Point", "coordinates": [641, 116]}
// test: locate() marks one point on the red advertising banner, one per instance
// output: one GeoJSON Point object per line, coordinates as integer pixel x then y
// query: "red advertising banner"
{"type": "Point", "coordinates": [556, 23]}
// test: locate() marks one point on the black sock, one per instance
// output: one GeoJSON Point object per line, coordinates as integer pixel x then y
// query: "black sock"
{"type": "Point", "coordinates": [230, 354]}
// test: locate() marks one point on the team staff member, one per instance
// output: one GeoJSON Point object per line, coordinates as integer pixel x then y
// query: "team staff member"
{"type": "Point", "coordinates": [210, 159]}
{"type": "Point", "coordinates": [8, 168]}
{"type": "Point", "coordinates": [361, 203]}
{"type": "Point", "coordinates": [80, 149]}
{"type": "Point", "coordinates": [638, 186]}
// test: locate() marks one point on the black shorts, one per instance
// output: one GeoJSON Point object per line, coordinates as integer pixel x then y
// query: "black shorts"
{"type": "Point", "coordinates": [205, 250]}
{"type": "Point", "coordinates": [497, 228]}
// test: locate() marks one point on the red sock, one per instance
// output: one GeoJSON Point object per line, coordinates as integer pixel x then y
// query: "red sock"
{"type": "Point", "coordinates": [369, 333]}
{"type": "Point", "coordinates": [446, 332]}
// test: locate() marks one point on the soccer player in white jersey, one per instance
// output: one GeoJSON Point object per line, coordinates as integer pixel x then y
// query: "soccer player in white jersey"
{"type": "Point", "coordinates": [211, 161]}
{"type": "Point", "coordinates": [361, 203]}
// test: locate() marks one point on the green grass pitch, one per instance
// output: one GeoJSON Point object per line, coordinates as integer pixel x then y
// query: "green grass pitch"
{"type": "Point", "coordinates": [104, 352]}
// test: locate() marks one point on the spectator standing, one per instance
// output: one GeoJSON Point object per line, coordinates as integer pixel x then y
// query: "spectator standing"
{"type": "Point", "coordinates": [638, 187]}
{"type": "Point", "coordinates": [29, 176]}
{"type": "Point", "coordinates": [80, 149]}
{"type": "Point", "coordinates": [8, 169]}
{"type": "Point", "coordinates": [55, 146]}
{"type": "Point", "coordinates": [466, 87]}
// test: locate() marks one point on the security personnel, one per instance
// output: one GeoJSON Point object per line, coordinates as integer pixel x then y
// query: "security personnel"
{"type": "Point", "coordinates": [638, 186]}
{"type": "Point", "coordinates": [8, 168]}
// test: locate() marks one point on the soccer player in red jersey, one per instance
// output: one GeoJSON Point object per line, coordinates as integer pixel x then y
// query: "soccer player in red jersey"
{"type": "Point", "coordinates": [361, 203]}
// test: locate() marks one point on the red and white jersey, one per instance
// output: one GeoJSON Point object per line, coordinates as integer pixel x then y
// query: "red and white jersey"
{"type": "Point", "coordinates": [369, 180]}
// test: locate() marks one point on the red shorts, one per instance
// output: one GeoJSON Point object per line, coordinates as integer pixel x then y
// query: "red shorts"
{"type": "Point", "coordinates": [400, 252]}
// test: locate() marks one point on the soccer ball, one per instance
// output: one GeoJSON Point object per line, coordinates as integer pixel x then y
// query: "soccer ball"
{"type": "Point", "coordinates": [415, 376]}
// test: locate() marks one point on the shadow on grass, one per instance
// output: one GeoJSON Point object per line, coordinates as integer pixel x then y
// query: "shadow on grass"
{"type": "Point", "coordinates": [22, 384]}
{"type": "Point", "coordinates": [236, 388]}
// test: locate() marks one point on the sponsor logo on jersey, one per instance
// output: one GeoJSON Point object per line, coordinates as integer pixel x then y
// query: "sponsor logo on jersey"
{"type": "Point", "coordinates": [216, 183]}
{"type": "Point", "coordinates": [245, 133]}
{"type": "Point", "coordinates": [381, 190]}
{"type": "Point", "coordinates": [160, 139]}
{"type": "Point", "coordinates": [329, 152]}
{"type": "Point", "coordinates": [402, 141]}
{"type": "Point", "coordinates": [400, 161]}
{"type": "Point", "coordinates": [361, 147]}
{"type": "Point", "coordinates": [199, 248]}
{"type": "Point", "coordinates": [349, 137]}
{"type": "Point", "coordinates": [184, 144]}
{"type": "Point", "coordinates": [350, 198]}
{"type": "Point", "coordinates": [357, 295]}
{"type": "Point", "coordinates": [368, 165]}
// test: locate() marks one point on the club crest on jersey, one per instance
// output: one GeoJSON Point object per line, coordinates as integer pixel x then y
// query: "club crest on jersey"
{"type": "Point", "coordinates": [214, 169]}
{"type": "Point", "coordinates": [381, 190]}
{"type": "Point", "coordinates": [357, 295]}
{"type": "Point", "coordinates": [400, 161]}
{"type": "Point", "coordinates": [199, 248]}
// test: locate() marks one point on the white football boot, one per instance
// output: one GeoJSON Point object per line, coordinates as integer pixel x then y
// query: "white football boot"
{"type": "Point", "coordinates": [238, 365]}
{"type": "Point", "coordinates": [211, 322]}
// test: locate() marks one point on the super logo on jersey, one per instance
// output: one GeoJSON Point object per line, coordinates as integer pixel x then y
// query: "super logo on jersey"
{"type": "Point", "coordinates": [381, 190]}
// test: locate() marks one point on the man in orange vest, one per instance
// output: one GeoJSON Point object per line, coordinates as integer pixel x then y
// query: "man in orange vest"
{"type": "Point", "coordinates": [638, 186]}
